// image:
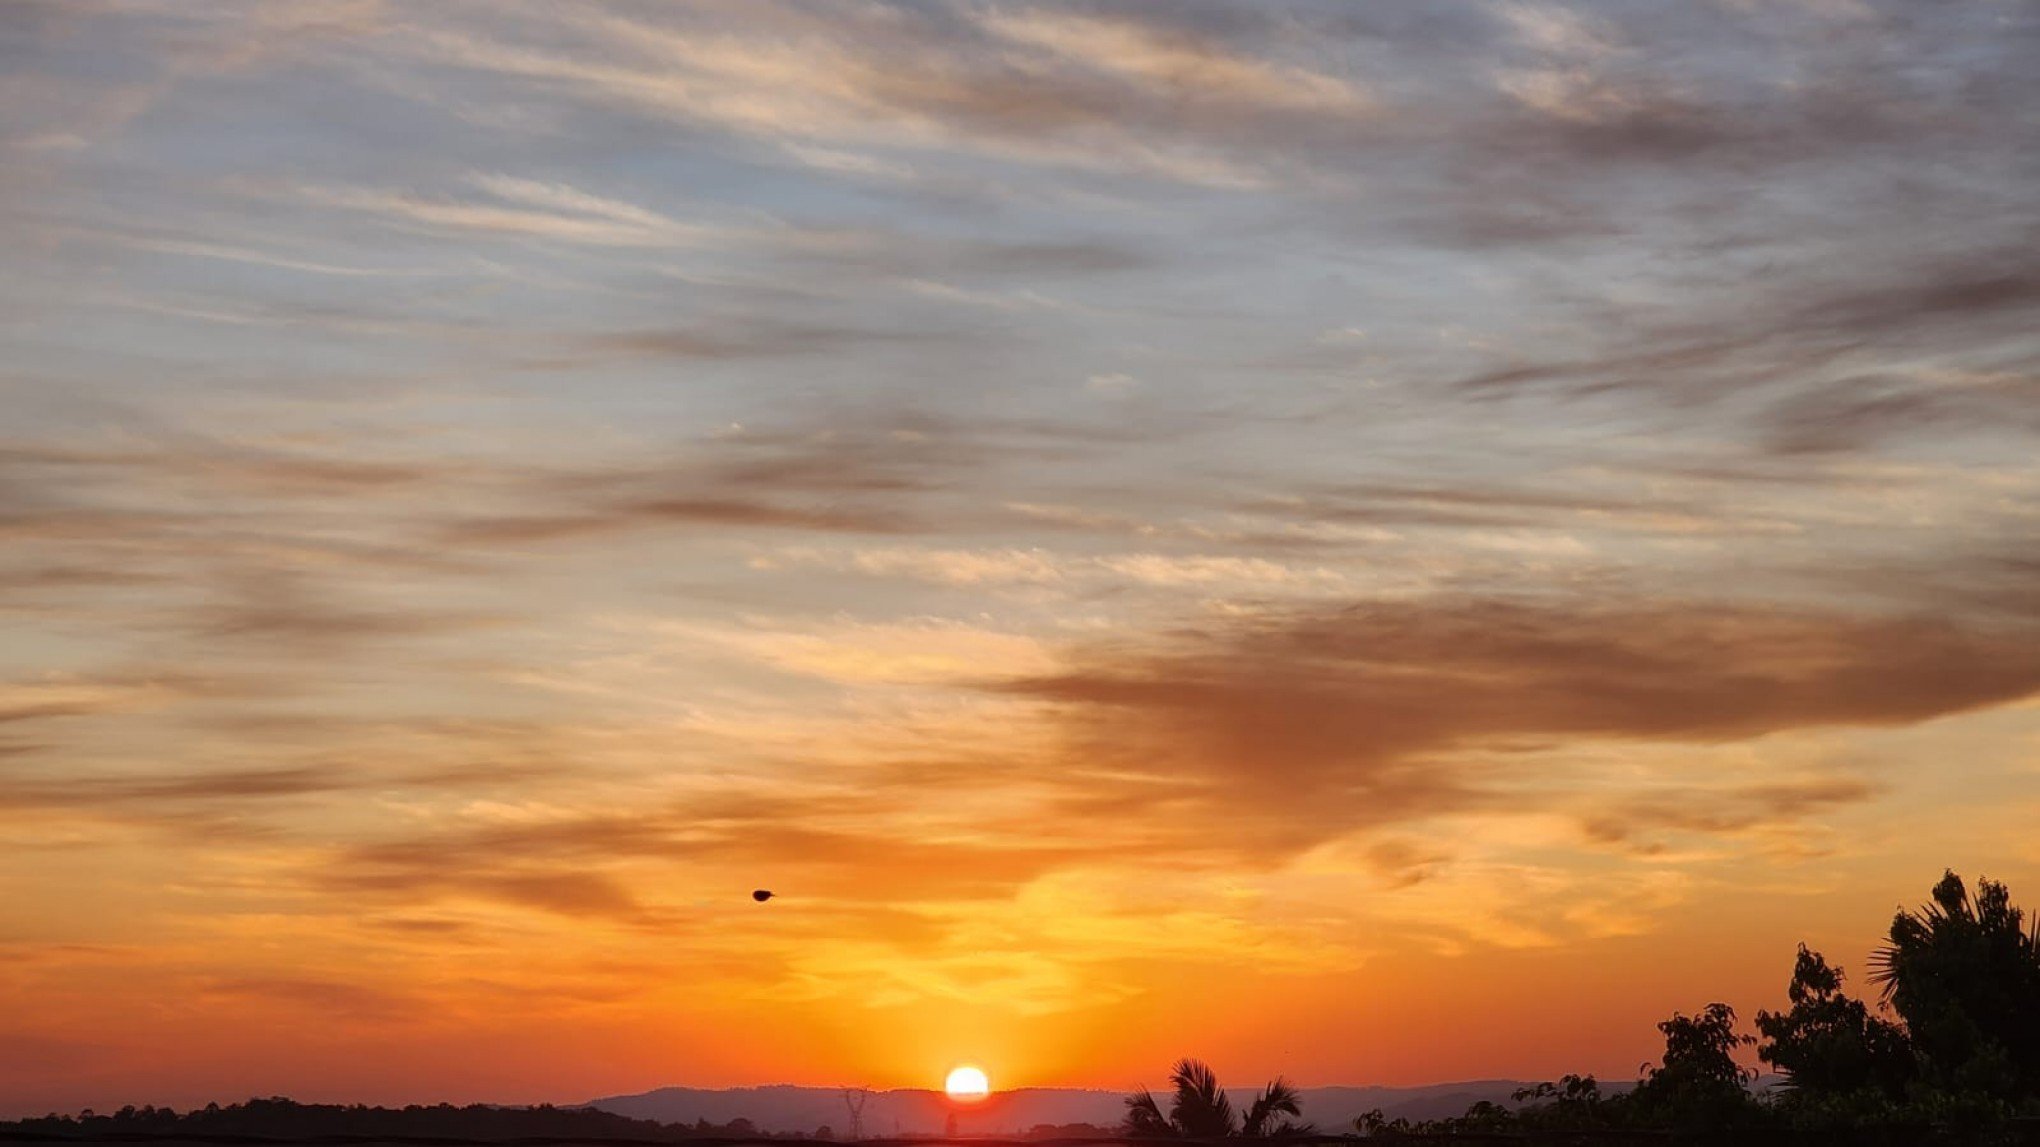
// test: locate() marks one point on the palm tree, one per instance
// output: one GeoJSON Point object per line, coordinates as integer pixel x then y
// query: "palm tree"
{"type": "Point", "coordinates": [1964, 974]}
{"type": "Point", "coordinates": [1144, 1118]}
{"type": "Point", "coordinates": [1200, 1108]}
{"type": "Point", "coordinates": [1278, 1098]}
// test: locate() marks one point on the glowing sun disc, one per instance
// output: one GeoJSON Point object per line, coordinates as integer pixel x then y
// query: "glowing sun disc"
{"type": "Point", "coordinates": [967, 1084]}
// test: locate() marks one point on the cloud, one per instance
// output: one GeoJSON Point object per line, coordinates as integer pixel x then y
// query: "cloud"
{"type": "Point", "coordinates": [1184, 66]}
{"type": "Point", "coordinates": [234, 786]}
{"type": "Point", "coordinates": [1041, 567]}
{"type": "Point", "coordinates": [290, 614]}
{"type": "Point", "coordinates": [1114, 385]}
{"type": "Point", "coordinates": [725, 342]}
{"type": "Point", "coordinates": [438, 522]}
{"type": "Point", "coordinates": [922, 651]}
{"type": "Point", "coordinates": [669, 513]}
{"type": "Point", "coordinates": [1803, 346]}
{"type": "Point", "coordinates": [1164, 570]}
{"type": "Point", "coordinates": [1117, 92]}
{"type": "Point", "coordinates": [936, 566]}
{"type": "Point", "coordinates": [875, 472]}
{"type": "Point", "coordinates": [1469, 505]}
{"type": "Point", "coordinates": [580, 865]}
{"type": "Point", "coordinates": [827, 482]}
{"type": "Point", "coordinates": [326, 999]}
{"type": "Point", "coordinates": [514, 207]}
{"type": "Point", "coordinates": [77, 695]}
{"type": "Point", "coordinates": [1301, 726]}
{"type": "Point", "coordinates": [1636, 821]}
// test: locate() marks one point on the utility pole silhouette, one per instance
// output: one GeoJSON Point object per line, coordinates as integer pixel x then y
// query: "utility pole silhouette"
{"type": "Point", "coordinates": [854, 1099]}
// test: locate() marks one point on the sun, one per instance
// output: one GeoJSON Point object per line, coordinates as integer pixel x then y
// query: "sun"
{"type": "Point", "coordinates": [967, 1085]}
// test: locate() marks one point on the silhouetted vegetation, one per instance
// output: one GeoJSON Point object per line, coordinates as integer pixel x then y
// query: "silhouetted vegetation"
{"type": "Point", "coordinates": [1957, 1062]}
{"type": "Point", "coordinates": [286, 1119]}
{"type": "Point", "coordinates": [1200, 1109]}
{"type": "Point", "coordinates": [1068, 1131]}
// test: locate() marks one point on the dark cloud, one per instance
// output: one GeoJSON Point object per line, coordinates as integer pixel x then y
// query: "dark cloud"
{"type": "Point", "coordinates": [115, 692]}
{"type": "Point", "coordinates": [622, 518]}
{"type": "Point", "coordinates": [1472, 506]}
{"type": "Point", "coordinates": [1036, 260]}
{"type": "Point", "coordinates": [432, 928]}
{"type": "Point", "coordinates": [1993, 576]}
{"type": "Point", "coordinates": [1404, 864]}
{"type": "Point", "coordinates": [324, 998]}
{"type": "Point", "coordinates": [1777, 334]}
{"type": "Point", "coordinates": [1850, 414]}
{"type": "Point", "coordinates": [826, 484]}
{"type": "Point", "coordinates": [289, 612]}
{"type": "Point", "coordinates": [173, 457]}
{"type": "Point", "coordinates": [164, 505]}
{"type": "Point", "coordinates": [1638, 822]}
{"type": "Point", "coordinates": [1308, 725]}
{"type": "Point", "coordinates": [873, 472]}
{"type": "Point", "coordinates": [229, 787]}
{"type": "Point", "coordinates": [723, 341]}
{"type": "Point", "coordinates": [217, 801]}
{"type": "Point", "coordinates": [1781, 364]}
{"type": "Point", "coordinates": [57, 577]}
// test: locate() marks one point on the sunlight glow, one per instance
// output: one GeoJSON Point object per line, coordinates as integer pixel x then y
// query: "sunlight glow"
{"type": "Point", "coordinates": [967, 1084]}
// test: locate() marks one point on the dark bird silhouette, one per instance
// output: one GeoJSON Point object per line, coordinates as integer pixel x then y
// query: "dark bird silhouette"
{"type": "Point", "coordinates": [762, 895]}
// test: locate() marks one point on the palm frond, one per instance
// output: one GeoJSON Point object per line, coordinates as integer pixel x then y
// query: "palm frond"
{"type": "Point", "coordinates": [1144, 1118]}
{"type": "Point", "coordinates": [1278, 1098]}
{"type": "Point", "coordinates": [1201, 1110]}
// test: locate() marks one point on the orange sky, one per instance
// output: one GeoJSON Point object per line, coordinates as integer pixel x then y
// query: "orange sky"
{"type": "Point", "coordinates": [1377, 544]}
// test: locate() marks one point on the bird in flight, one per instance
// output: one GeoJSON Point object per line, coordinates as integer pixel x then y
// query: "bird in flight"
{"type": "Point", "coordinates": [761, 895]}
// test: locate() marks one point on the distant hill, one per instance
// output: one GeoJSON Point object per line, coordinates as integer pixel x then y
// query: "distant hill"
{"type": "Point", "coordinates": [914, 1111]}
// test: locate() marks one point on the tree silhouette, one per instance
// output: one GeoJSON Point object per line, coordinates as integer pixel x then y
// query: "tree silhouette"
{"type": "Point", "coordinates": [1829, 1044]}
{"type": "Point", "coordinates": [1574, 1103]}
{"type": "Point", "coordinates": [1144, 1118]}
{"type": "Point", "coordinates": [1200, 1109]}
{"type": "Point", "coordinates": [1964, 974]}
{"type": "Point", "coordinates": [1278, 1098]}
{"type": "Point", "coordinates": [1699, 1083]}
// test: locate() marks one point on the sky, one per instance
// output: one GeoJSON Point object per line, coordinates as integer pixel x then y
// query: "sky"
{"type": "Point", "coordinates": [1384, 543]}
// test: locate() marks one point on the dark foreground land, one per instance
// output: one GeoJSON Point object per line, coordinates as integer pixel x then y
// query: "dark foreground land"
{"type": "Point", "coordinates": [263, 1123]}
{"type": "Point", "coordinates": [2021, 1133]}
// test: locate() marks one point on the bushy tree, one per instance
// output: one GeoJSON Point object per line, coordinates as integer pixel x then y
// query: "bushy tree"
{"type": "Point", "coordinates": [1828, 1044]}
{"type": "Point", "coordinates": [1698, 1084]}
{"type": "Point", "coordinates": [1574, 1103]}
{"type": "Point", "coordinates": [1375, 1124]}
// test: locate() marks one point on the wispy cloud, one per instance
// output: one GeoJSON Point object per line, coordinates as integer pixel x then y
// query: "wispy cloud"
{"type": "Point", "coordinates": [1147, 492]}
{"type": "Point", "coordinates": [521, 208]}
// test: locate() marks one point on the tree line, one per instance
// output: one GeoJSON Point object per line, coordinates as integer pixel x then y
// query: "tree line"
{"type": "Point", "coordinates": [1950, 1053]}
{"type": "Point", "coordinates": [279, 1118]}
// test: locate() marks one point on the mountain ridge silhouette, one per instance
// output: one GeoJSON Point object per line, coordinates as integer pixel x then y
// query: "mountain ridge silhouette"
{"type": "Point", "coordinates": [913, 1111]}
